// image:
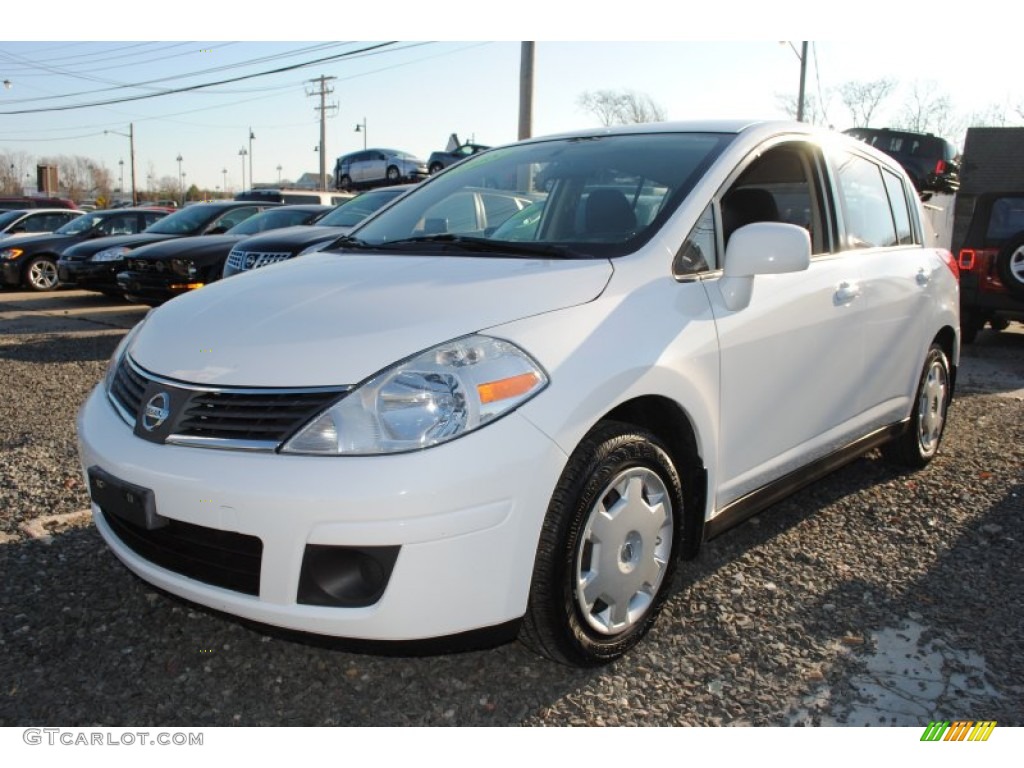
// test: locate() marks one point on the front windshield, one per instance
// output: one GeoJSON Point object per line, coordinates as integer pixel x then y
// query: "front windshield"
{"type": "Point", "coordinates": [592, 196]}
{"type": "Point", "coordinates": [350, 213]}
{"type": "Point", "coordinates": [187, 221]}
{"type": "Point", "coordinates": [9, 218]}
{"type": "Point", "coordinates": [80, 225]}
{"type": "Point", "coordinates": [273, 219]}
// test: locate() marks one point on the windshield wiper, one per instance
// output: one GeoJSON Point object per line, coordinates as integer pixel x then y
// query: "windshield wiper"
{"type": "Point", "coordinates": [485, 245]}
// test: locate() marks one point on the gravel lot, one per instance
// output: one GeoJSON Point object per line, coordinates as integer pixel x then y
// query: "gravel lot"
{"type": "Point", "coordinates": [873, 597]}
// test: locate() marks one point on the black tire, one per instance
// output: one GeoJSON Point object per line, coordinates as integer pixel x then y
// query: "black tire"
{"type": "Point", "coordinates": [970, 324]}
{"type": "Point", "coordinates": [41, 274]}
{"type": "Point", "coordinates": [572, 617]}
{"type": "Point", "coordinates": [393, 174]}
{"type": "Point", "coordinates": [1010, 265]}
{"type": "Point", "coordinates": [345, 183]}
{"type": "Point", "coordinates": [919, 444]}
{"type": "Point", "coordinates": [435, 167]}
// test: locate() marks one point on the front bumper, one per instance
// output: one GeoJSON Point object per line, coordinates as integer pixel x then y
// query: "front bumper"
{"type": "Point", "coordinates": [10, 271]}
{"type": "Point", "coordinates": [465, 516]}
{"type": "Point", "coordinates": [154, 288]}
{"type": "Point", "coordinates": [90, 275]}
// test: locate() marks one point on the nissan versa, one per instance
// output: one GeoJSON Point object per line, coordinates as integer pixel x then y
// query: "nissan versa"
{"type": "Point", "coordinates": [442, 430]}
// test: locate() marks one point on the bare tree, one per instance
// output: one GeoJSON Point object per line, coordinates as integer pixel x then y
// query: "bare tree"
{"type": "Point", "coordinates": [862, 99]}
{"type": "Point", "coordinates": [15, 169]}
{"type": "Point", "coordinates": [620, 107]}
{"type": "Point", "coordinates": [814, 114]}
{"type": "Point", "coordinates": [929, 110]}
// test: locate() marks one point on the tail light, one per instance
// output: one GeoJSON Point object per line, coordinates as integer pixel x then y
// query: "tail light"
{"type": "Point", "coordinates": [982, 262]}
{"type": "Point", "coordinates": [940, 167]}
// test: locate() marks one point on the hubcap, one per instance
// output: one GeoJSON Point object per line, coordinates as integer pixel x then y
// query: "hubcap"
{"type": "Point", "coordinates": [931, 408]}
{"type": "Point", "coordinates": [623, 552]}
{"type": "Point", "coordinates": [43, 274]}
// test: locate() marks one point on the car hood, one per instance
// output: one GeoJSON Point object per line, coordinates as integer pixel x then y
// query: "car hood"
{"type": "Point", "coordinates": [84, 250]}
{"type": "Point", "coordinates": [187, 246]}
{"type": "Point", "coordinates": [291, 238]}
{"type": "Point", "coordinates": [335, 319]}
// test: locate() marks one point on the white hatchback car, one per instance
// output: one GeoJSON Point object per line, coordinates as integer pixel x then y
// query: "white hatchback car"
{"type": "Point", "coordinates": [429, 432]}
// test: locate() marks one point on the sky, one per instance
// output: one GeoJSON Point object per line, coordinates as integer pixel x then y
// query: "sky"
{"type": "Point", "coordinates": [446, 74]}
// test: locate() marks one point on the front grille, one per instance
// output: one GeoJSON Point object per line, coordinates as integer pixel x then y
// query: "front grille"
{"type": "Point", "coordinates": [249, 416]}
{"type": "Point", "coordinates": [145, 265]}
{"type": "Point", "coordinates": [221, 558]}
{"type": "Point", "coordinates": [222, 417]}
{"type": "Point", "coordinates": [243, 260]}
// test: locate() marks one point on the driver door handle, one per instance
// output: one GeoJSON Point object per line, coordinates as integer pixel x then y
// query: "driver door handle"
{"type": "Point", "coordinates": [846, 292]}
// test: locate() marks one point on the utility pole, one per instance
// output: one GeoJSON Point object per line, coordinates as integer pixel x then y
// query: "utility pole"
{"type": "Point", "coordinates": [803, 82]}
{"type": "Point", "coordinates": [322, 91]}
{"type": "Point", "coordinates": [526, 91]}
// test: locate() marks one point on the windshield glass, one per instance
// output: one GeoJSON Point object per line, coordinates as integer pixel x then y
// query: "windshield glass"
{"type": "Point", "coordinates": [274, 219]}
{"type": "Point", "coordinates": [187, 221]}
{"type": "Point", "coordinates": [80, 225]}
{"type": "Point", "coordinates": [355, 210]}
{"type": "Point", "coordinates": [593, 196]}
{"type": "Point", "coordinates": [9, 217]}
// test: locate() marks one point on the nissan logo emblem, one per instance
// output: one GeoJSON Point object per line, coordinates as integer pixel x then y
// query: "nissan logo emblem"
{"type": "Point", "coordinates": [156, 411]}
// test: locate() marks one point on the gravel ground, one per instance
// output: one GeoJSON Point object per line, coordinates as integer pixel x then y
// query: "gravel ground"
{"type": "Point", "coordinates": [776, 623]}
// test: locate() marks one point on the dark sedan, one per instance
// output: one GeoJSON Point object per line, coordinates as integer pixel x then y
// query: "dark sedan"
{"type": "Point", "coordinates": [277, 246]}
{"type": "Point", "coordinates": [32, 260]}
{"type": "Point", "coordinates": [158, 272]}
{"type": "Point", "coordinates": [94, 265]}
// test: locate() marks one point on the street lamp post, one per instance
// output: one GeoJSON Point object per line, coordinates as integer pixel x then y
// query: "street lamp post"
{"type": "Point", "coordinates": [251, 137]}
{"type": "Point", "coordinates": [242, 153]}
{"type": "Point", "coordinates": [224, 171]}
{"type": "Point", "coordinates": [361, 128]}
{"type": "Point", "coordinates": [181, 180]}
{"type": "Point", "coordinates": [120, 187]}
{"type": "Point", "coordinates": [131, 147]}
{"type": "Point", "coordinates": [279, 175]}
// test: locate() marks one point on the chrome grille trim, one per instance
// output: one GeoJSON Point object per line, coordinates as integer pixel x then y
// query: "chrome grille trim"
{"type": "Point", "coordinates": [238, 259]}
{"type": "Point", "coordinates": [226, 418]}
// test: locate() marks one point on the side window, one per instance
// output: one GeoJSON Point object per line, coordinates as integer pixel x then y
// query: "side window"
{"type": "Point", "coordinates": [454, 214]}
{"type": "Point", "coordinates": [866, 213]}
{"type": "Point", "coordinates": [783, 185]}
{"type": "Point", "coordinates": [699, 251]}
{"type": "Point", "coordinates": [119, 225]}
{"type": "Point", "coordinates": [237, 216]}
{"type": "Point", "coordinates": [497, 208]}
{"type": "Point", "coordinates": [150, 218]}
{"type": "Point", "coordinates": [900, 212]}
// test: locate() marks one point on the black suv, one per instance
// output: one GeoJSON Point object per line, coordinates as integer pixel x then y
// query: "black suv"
{"type": "Point", "coordinates": [930, 161]}
{"type": "Point", "coordinates": [991, 260]}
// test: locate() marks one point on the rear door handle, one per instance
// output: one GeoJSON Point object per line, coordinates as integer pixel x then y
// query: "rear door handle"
{"type": "Point", "coordinates": [846, 292]}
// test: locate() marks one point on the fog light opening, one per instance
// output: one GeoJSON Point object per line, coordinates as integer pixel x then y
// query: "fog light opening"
{"type": "Point", "coordinates": [347, 577]}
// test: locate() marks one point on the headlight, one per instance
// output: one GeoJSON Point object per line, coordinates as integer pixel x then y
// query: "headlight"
{"type": "Point", "coordinates": [11, 253]}
{"type": "Point", "coordinates": [111, 254]}
{"type": "Point", "coordinates": [120, 351]}
{"type": "Point", "coordinates": [434, 397]}
{"type": "Point", "coordinates": [183, 267]}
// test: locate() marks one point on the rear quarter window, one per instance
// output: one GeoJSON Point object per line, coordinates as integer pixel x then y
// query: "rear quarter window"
{"type": "Point", "coordinates": [1005, 220]}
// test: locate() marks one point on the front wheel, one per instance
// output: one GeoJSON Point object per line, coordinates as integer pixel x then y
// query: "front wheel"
{"type": "Point", "coordinates": [435, 167]}
{"type": "Point", "coordinates": [607, 550]}
{"type": "Point", "coordinates": [919, 444]}
{"type": "Point", "coordinates": [345, 183]}
{"type": "Point", "coordinates": [41, 274]}
{"type": "Point", "coordinates": [393, 174]}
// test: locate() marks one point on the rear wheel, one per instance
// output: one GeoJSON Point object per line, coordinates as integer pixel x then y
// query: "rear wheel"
{"type": "Point", "coordinates": [393, 174]}
{"type": "Point", "coordinates": [607, 550]}
{"type": "Point", "coordinates": [41, 274]}
{"type": "Point", "coordinates": [919, 444]}
{"type": "Point", "coordinates": [1011, 266]}
{"type": "Point", "coordinates": [435, 167]}
{"type": "Point", "coordinates": [345, 182]}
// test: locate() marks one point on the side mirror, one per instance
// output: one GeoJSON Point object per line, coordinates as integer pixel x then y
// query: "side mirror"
{"type": "Point", "coordinates": [762, 248]}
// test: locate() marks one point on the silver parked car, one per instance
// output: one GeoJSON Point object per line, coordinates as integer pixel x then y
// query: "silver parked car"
{"type": "Point", "coordinates": [377, 167]}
